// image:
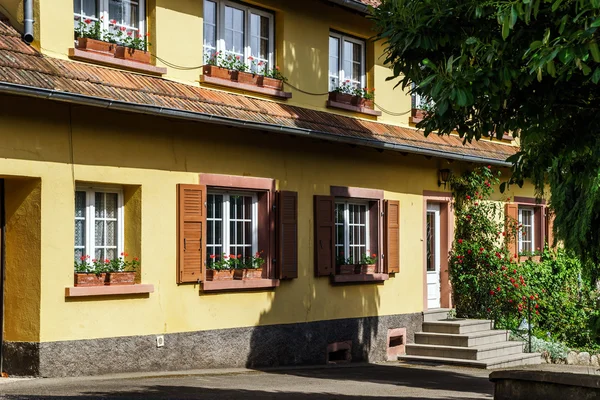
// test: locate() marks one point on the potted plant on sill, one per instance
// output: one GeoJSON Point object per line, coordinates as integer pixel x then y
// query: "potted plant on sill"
{"type": "Point", "coordinates": [344, 266]}
{"type": "Point", "coordinates": [368, 263]}
{"type": "Point", "coordinates": [90, 37]}
{"type": "Point", "coordinates": [234, 68]}
{"type": "Point", "coordinates": [248, 269]}
{"type": "Point", "coordinates": [347, 93]}
{"type": "Point", "coordinates": [118, 42]}
{"type": "Point", "coordinates": [117, 271]}
{"type": "Point", "coordinates": [219, 268]}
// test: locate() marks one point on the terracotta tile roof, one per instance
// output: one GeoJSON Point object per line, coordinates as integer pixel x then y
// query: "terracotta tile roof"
{"type": "Point", "coordinates": [374, 3]}
{"type": "Point", "coordinates": [21, 65]}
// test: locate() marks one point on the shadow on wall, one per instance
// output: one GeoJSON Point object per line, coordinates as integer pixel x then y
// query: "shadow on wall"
{"type": "Point", "coordinates": [320, 337]}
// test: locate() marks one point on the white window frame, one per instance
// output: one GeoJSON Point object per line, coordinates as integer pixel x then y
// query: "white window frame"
{"type": "Point", "coordinates": [520, 235]}
{"type": "Point", "coordinates": [220, 29]}
{"type": "Point", "coordinates": [340, 68]}
{"type": "Point", "coordinates": [227, 218]}
{"type": "Point", "coordinates": [102, 6]}
{"type": "Point", "coordinates": [346, 203]}
{"type": "Point", "coordinates": [90, 218]}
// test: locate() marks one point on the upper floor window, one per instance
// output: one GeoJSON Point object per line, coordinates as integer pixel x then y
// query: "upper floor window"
{"type": "Point", "coordinates": [98, 223]}
{"type": "Point", "coordinates": [124, 15]}
{"type": "Point", "coordinates": [239, 31]}
{"type": "Point", "coordinates": [346, 61]}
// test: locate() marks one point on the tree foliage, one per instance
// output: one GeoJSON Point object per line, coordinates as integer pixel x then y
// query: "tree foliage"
{"type": "Point", "coordinates": [528, 67]}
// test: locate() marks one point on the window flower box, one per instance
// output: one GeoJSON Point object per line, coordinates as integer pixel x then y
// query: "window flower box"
{"type": "Point", "coordinates": [97, 46]}
{"type": "Point", "coordinates": [367, 268]}
{"type": "Point", "coordinates": [346, 269]}
{"type": "Point", "coordinates": [120, 278]}
{"type": "Point", "coordinates": [272, 83]}
{"type": "Point", "coordinates": [345, 98]}
{"type": "Point", "coordinates": [89, 279]}
{"type": "Point", "coordinates": [248, 274]}
{"type": "Point", "coordinates": [417, 115]}
{"type": "Point", "coordinates": [131, 54]}
{"type": "Point", "coordinates": [219, 275]}
{"type": "Point", "coordinates": [219, 72]}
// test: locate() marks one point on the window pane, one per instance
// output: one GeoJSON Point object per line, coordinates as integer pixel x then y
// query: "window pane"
{"type": "Point", "coordinates": [80, 232]}
{"type": "Point", "coordinates": [80, 204]}
{"type": "Point", "coordinates": [218, 206]}
{"type": "Point", "coordinates": [124, 11]}
{"type": "Point", "coordinates": [234, 30]}
{"type": "Point", "coordinates": [78, 254]}
{"type": "Point", "coordinates": [218, 232]}
{"type": "Point", "coordinates": [210, 235]}
{"type": "Point", "coordinates": [99, 254]}
{"type": "Point", "coordinates": [99, 205]}
{"type": "Point", "coordinates": [99, 233]}
{"type": "Point", "coordinates": [111, 254]}
{"type": "Point", "coordinates": [430, 241]}
{"type": "Point", "coordinates": [334, 62]}
{"type": "Point", "coordinates": [210, 12]}
{"type": "Point", "coordinates": [111, 233]}
{"type": "Point", "coordinates": [248, 233]}
{"type": "Point", "coordinates": [111, 205]}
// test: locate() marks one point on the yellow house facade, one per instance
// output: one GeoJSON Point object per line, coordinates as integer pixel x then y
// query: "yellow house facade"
{"type": "Point", "coordinates": [179, 168]}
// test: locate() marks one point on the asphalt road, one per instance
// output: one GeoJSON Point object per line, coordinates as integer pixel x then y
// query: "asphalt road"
{"type": "Point", "coordinates": [377, 382]}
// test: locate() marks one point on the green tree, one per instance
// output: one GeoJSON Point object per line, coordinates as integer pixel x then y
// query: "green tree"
{"type": "Point", "coordinates": [528, 67]}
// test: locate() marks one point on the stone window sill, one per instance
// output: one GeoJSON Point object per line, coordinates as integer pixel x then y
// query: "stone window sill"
{"type": "Point", "coordinates": [117, 290]}
{"type": "Point", "coordinates": [360, 278]}
{"type": "Point", "coordinates": [250, 284]}
{"type": "Point", "coordinates": [95, 58]}
{"type": "Point", "coordinates": [350, 107]}
{"type": "Point", "coordinates": [245, 87]}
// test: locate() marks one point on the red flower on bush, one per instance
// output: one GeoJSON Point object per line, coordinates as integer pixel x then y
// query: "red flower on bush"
{"type": "Point", "coordinates": [460, 241]}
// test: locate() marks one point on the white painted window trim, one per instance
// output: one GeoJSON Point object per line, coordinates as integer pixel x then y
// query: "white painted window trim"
{"type": "Point", "coordinates": [90, 217]}
{"type": "Point", "coordinates": [520, 235]}
{"type": "Point", "coordinates": [220, 28]}
{"type": "Point", "coordinates": [347, 245]}
{"type": "Point", "coordinates": [102, 6]}
{"type": "Point", "coordinates": [227, 218]}
{"type": "Point", "coordinates": [341, 74]}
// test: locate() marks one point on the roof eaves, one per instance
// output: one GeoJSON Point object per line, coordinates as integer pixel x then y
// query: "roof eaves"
{"type": "Point", "coordinates": [57, 95]}
{"type": "Point", "coordinates": [352, 4]}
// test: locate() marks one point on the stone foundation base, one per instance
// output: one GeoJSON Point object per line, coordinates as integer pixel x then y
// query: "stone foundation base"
{"type": "Point", "coordinates": [253, 347]}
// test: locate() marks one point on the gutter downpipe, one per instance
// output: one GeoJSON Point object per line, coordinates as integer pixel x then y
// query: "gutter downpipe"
{"type": "Point", "coordinates": [51, 94]}
{"type": "Point", "coordinates": [355, 5]}
{"type": "Point", "coordinates": [28, 21]}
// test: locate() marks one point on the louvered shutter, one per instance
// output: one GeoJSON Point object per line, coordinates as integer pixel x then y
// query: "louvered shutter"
{"type": "Point", "coordinates": [287, 234]}
{"type": "Point", "coordinates": [392, 236]}
{"type": "Point", "coordinates": [191, 231]}
{"type": "Point", "coordinates": [324, 235]}
{"type": "Point", "coordinates": [549, 227]}
{"type": "Point", "coordinates": [511, 213]}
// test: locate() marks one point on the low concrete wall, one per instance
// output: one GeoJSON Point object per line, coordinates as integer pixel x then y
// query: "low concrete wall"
{"type": "Point", "coordinates": [546, 385]}
{"type": "Point", "coordinates": [253, 347]}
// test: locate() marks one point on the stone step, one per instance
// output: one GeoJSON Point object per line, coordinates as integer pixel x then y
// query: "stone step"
{"type": "Point", "coordinates": [509, 361]}
{"type": "Point", "coordinates": [462, 340]}
{"type": "Point", "coordinates": [436, 314]}
{"type": "Point", "coordinates": [481, 352]}
{"type": "Point", "coordinates": [458, 326]}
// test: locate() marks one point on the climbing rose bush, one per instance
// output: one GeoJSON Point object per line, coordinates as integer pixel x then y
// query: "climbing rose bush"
{"type": "Point", "coordinates": [487, 281]}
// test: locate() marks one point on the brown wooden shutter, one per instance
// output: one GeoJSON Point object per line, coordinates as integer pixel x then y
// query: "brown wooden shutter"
{"type": "Point", "coordinates": [191, 231]}
{"type": "Point", "coordinates": [539, 222]}
{"type": "Point", "coordinates": [287, 234]}
{"type": "Point", "coordinates": [392, 236]}
{"type": "Point", "coordinates": [511, 213]}
{"type": "Point", "coordinates": [324, 235]}
{"type": "Point", "coordinates": [549, 227]}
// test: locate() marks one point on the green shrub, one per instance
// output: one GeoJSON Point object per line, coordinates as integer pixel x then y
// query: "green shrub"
{"type": "Point", "coordinates": [489, 282]}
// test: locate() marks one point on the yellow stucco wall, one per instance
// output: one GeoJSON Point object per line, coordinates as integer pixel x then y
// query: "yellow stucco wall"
{"type": "Point", "coordinates": [23, 259]}
{"type": "Point", "coordinates": [150, 156]}
{"type": "Point", "coordinates": [301, 43]}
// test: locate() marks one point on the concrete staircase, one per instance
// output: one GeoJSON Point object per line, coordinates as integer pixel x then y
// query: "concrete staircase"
{"type": "Point", "coordinates": [466, 342]}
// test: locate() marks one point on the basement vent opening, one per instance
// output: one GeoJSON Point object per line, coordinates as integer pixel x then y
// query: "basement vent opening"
{"type": "Point", "coordinates": [396, 343]}
{"type": "Point", "coordinates": [339, 352]}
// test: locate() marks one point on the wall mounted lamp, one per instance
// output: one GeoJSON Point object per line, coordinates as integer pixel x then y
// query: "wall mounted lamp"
{"type": "Point", "coordinates": [443, 177]}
